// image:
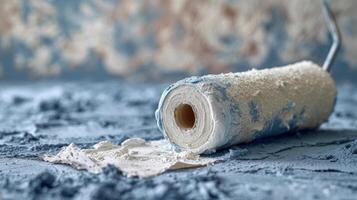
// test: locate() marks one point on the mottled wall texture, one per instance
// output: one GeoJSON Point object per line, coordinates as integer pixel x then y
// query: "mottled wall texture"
{"type": "Point", "coordinates": [164, 39]}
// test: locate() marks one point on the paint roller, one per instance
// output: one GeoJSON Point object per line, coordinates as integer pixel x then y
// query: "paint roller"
{"type": "Point", "coordinates": [202, 114]}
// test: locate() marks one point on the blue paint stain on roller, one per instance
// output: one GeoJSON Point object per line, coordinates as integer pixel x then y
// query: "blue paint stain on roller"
{"type": "Point", "coordinates": [290, 106]}
{"type": "Point", "coordinates": [222, 91]}
{"type": "Point", "coordinates": [276, 126]}
{"type": "Point", "coordinates": [253, 110]}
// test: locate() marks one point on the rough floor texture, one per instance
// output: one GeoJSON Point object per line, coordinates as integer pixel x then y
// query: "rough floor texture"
{"type": "Point", "coordinates": [40, 118]}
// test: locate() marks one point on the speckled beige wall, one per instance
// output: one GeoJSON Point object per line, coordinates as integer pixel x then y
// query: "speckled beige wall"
{"type": "Point", "coordinates": [159, 38]}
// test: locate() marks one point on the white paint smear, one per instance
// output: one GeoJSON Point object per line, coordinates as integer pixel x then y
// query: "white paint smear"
{"type": "Point", "coordinates": [134, 157]}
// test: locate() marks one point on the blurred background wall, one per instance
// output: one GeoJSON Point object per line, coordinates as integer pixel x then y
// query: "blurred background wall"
{"type": "Point", "coordinates": [165, 40]}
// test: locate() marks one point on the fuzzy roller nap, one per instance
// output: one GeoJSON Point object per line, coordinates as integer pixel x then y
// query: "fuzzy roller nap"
{"type": "Point", "coordinates": [201, 114]}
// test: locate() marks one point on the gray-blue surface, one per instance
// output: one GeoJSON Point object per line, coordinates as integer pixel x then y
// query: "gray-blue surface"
{"type": "Point", "coordinates": [40, 118]}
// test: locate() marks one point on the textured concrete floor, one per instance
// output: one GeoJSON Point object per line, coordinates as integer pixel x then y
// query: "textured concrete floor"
{"type": "Point", "coordinates": [40, 118]}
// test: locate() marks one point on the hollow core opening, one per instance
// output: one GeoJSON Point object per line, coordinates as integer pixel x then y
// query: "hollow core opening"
{"type": "Point", "coordinates": [185, 116]}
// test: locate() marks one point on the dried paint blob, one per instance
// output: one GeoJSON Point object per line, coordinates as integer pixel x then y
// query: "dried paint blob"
{"type": "Point", "coordinates": [134, 157]}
